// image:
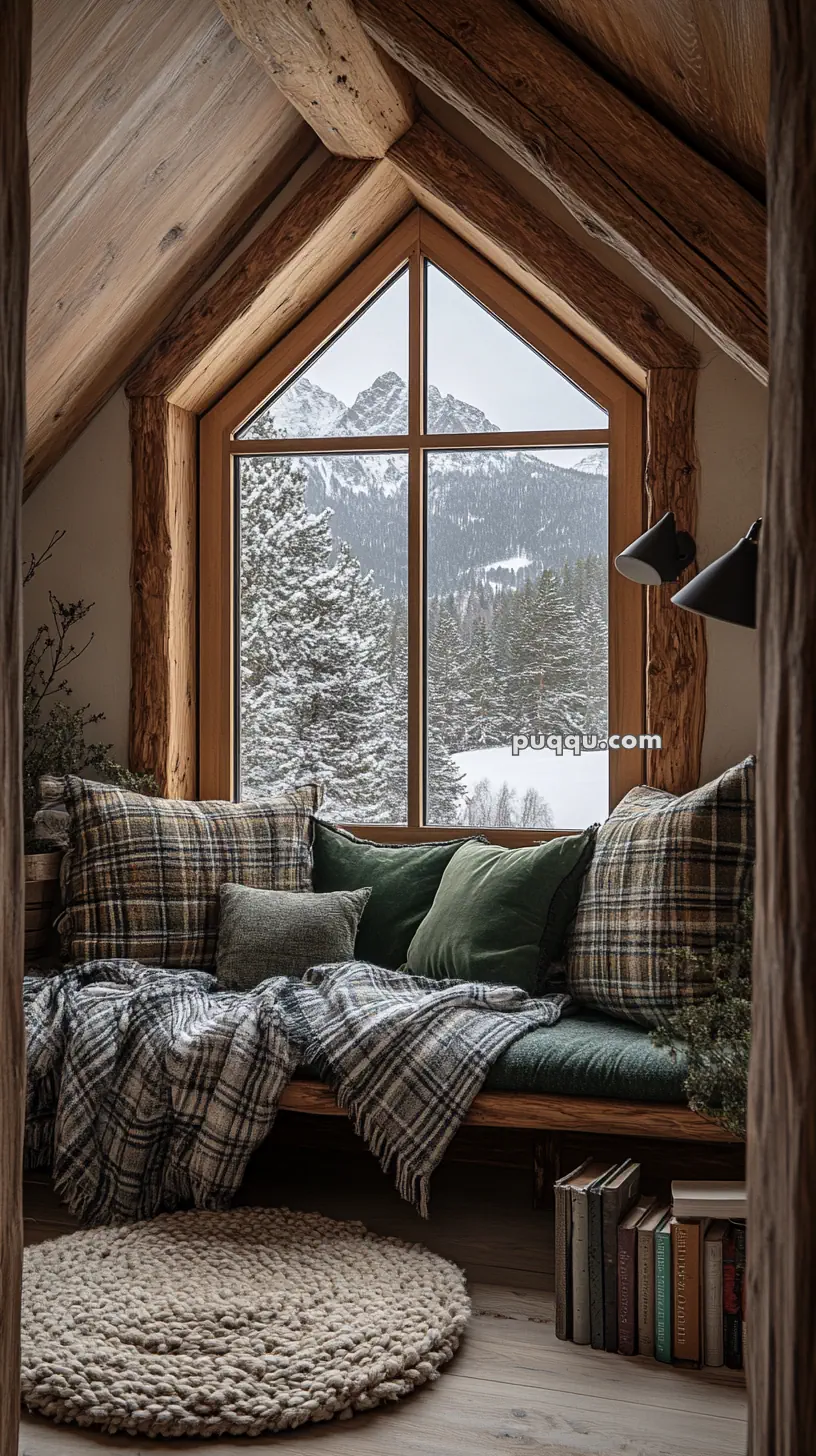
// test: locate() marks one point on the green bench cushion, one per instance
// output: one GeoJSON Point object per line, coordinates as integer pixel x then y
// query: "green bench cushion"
{"type": "Point", "coordinates": [590, 1055]}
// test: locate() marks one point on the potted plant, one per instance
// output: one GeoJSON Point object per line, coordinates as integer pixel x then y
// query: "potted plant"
{"type": "Point", "coordinates": [54, 744]}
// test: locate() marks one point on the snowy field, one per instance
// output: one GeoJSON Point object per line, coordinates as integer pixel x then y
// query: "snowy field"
{"type": "Point", "coordinates": [575, 786]}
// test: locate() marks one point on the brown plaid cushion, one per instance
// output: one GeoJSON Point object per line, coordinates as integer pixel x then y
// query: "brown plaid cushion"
{"type": "Point", "coordinates": [667, 872]}
{"type": "Point", "coordinates": [142, 877]}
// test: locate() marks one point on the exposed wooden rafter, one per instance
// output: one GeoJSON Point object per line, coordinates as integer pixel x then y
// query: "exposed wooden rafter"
{"type": "Point", "coordinates": [341, 211]}
{"type": "Point", "coordinates": [317, 53]}
{"type": "Point", "coordinates": [685, 225]}
{"type": "Point", "coordinates": [488, 212]}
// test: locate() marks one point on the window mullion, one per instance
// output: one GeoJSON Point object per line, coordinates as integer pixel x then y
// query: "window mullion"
{"type": "Point", "coordinates": [416, 545]}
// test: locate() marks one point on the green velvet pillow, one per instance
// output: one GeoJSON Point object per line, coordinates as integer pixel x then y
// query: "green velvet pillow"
{"type": "Point", "coordinates": [501, 915]}
{"type": "Point", "coordinates": [403, 880]}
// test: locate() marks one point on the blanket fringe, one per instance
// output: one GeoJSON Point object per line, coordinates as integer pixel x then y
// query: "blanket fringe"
{"type": "Point", "coordinates": [412, 1185]}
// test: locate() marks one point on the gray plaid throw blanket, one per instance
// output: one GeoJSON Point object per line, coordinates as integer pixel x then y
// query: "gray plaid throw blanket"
{"type": "Point", "coordinates": [148, 1090]}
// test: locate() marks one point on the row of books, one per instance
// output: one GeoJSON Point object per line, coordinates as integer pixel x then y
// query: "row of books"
{"type": "Point", "coordinates": [638, 1275]}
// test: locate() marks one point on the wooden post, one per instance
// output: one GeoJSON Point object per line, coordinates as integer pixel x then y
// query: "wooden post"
{"type": "Point", "coordinates": [782, 1097]}
{"type": "Point", "coordinates": [15, 234]}
{"type": "Point", "coordinates": [675, 640]}
{"type": "Point", "coordinates": [163, 593]}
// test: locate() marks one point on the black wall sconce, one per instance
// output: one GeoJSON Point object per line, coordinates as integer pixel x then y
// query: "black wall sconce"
{"type": "Point", "coordinates": [727, 589]}
{"type": "Point", "coordinates": [661, 554]}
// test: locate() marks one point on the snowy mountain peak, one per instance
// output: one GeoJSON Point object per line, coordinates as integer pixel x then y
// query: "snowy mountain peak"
{"type": "Point", "coordinates": [303, 411]}
{"type": "Point", "coordinates": [448, 415]}
{"type": "Point", "coordinates": [306, 411]}
{"type": "Point", "coordinates": [593, 464]}
{"type": "Point", "coordinates": [382, 409]}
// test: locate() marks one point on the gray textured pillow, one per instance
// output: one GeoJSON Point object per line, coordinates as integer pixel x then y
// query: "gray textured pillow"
{"type": "Point", "coordinates": [265, 933]}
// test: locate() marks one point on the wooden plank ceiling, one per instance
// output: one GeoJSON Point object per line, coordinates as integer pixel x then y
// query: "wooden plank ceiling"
{"type": "Point", "coordinates": [155, 137]}
{"type": "Point", "coordinates": [701, 66]}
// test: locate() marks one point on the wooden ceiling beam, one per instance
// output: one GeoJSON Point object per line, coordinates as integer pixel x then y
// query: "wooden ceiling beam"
{"type": "Point", "coordinates": [341, 211]}
{"type": "Point", "coordinates": [480, 205]}
{"type": "Point", "coordinates": [317, 53]}
{"type": "Point", "coordinates": [627, 179]}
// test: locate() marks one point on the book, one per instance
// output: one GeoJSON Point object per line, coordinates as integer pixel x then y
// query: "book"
{"type": "Point", "coordinates": [580, 1248]}
{"type": "Point", "coordinates": [733, 1280]}
{"type": "Point", "coordinates": [687, 1260]}
{"type": "Point", "coordinates": [617, 1196]}
{"type": "Point", "coordinates": [713, 1293]}
{"type": "Point", "coordinates": [563, 1253]}
{"type": "Point", "coordinates": [646, 1230]}
{"type": "Point", "coordinates": [596, 1255]}
{"type": "Point", "coordinates": [708, 1200]}
{"type": "Point", "coordinates": [663, 1290]}
{"type": "Point", "coordinates": [627, 1276]}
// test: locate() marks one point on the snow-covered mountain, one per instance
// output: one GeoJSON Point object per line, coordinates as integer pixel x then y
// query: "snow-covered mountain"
{"type": "Point", "coordinates": [496, 516]}
{"type": "Point", "coordinates": [305, 411]}
{"type": "Point", "coordinates": [593, 464]}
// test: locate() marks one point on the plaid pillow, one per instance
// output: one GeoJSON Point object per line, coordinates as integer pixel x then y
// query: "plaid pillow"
{"type": "Point", "coordinates": [142, 878]}
{"type": "Point", "coordinates": [667, 872]}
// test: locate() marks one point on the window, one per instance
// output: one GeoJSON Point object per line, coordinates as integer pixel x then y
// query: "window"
{"type": "Point", "coordinates": [407, 517]}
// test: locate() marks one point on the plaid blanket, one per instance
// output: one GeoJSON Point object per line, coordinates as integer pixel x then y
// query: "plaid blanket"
{"type": "Point", "coordinates": [148, 1090]}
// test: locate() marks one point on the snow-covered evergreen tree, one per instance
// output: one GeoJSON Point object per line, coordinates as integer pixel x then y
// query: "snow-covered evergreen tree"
{"type": "Point", "coordinates": [316, 700]}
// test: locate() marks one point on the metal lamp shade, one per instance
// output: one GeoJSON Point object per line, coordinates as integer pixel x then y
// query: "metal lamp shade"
{"type": "Point", "coordinates": [661, 554]}
{"type": "Point", "coordinates": [726, 590]}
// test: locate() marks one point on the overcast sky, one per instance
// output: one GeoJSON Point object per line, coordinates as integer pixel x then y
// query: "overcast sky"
{"type": "Point", "coordinates": [470, 355]}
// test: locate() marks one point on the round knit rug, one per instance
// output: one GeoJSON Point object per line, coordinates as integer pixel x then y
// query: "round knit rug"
{"type": "Point", "coordinates": [211, 1324]}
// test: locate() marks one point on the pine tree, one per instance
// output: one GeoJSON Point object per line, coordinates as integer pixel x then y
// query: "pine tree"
{"type": "Point", "coordinates": [447, 679]}
{"type": "Point", "coordinates": [316, 701]}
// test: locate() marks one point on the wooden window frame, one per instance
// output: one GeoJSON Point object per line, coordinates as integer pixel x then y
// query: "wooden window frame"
{"type": "Point", "coordinates": [418, 237]}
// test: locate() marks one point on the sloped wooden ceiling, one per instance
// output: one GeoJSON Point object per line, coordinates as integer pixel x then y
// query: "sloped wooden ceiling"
{"type": "Point", "coordinates": [155, 138]}
{"type": "Point", "coordinates": [702, 66]}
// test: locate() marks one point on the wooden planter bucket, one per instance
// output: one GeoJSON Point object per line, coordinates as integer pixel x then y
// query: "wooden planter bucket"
{"type": "Point", "coordinates": [41, 897]}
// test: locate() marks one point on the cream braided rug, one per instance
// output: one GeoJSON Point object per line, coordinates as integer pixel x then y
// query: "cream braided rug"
{"type": "Point", "coordinates": [213, 1324]}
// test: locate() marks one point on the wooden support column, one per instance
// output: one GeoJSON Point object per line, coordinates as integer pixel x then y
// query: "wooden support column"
{"type": "Point", "coordinates": [163, 586]}
{"type": "Point", "coordinates": [675, 640]}
{"type": "Point", "coordinates": [15, 235]}
{"type": "Point", "coordinates": [782, 1097]}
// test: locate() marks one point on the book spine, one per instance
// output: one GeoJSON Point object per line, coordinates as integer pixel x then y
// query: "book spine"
{"type": "Point", "coordinates": [713, 1302]}
{"type": "Point", "coordinates": [596, 1269]}
{"type": "Point", "coordinates": [686, 1331]}
{"type": "Point", "coordinates": [611, 1216]}
{"type": "Point", "coordinates": [663, 1310]}
{"type": "Point", "coordinates": [627, 1291]}
{"type": "Point", "coordinates": [580, 1269]}
{"type": "Point", "coordinates": [646, 1292]}
{"type": "Point", "coordinates": [733, 1278]}
{"type": "Point", "coordinates": [563, 1271]}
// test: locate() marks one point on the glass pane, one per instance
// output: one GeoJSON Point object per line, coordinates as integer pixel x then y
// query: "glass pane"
{"type": "Point", "coordinates": [323, 661]}
{"type": "Point", "coordinates": [517, 637]}
{"type": "Point", "coordinates": [356, 386]}
{"type": "Point", "coordinates": [481, 376]}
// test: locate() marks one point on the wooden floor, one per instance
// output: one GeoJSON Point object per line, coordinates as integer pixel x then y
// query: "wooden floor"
{"type": "Point", "coordinates": [512, 1386]}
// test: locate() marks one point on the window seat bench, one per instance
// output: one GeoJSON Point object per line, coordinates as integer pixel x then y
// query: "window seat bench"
{"type": "Point", "coordinates": [589, 1073]}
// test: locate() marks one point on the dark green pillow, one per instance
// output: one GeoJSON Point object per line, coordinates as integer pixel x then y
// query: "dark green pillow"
{"type": "Point", "coordinates": [403, 879]}
{"type": "Point", "coordinates": [501, 915]}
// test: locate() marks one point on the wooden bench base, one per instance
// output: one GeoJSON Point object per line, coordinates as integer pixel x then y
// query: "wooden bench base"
{"type": "Point", "coordinates": [546, 1113]}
